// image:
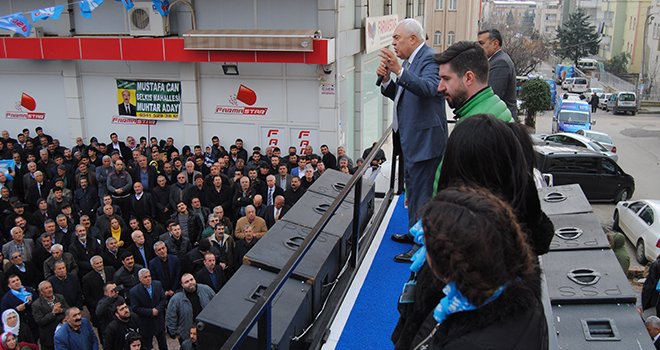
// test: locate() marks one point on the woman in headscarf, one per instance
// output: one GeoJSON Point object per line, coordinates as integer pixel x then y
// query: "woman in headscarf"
{"type": "Point", "coordinates": [11, 322]}
{"type": "Point", "coordinates": [9, 342]}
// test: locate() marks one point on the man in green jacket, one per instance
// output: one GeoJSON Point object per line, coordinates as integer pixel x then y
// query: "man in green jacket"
{"type": "Point", "coordinates": [464, 83]}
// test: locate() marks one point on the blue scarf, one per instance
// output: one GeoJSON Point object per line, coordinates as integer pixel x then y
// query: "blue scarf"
{"type": "Point", "coordinates": [22, 294]}
{"type": "Point", "coordinates": [454, 301]}
{"type": "Point", "coordinates": [418, 259]}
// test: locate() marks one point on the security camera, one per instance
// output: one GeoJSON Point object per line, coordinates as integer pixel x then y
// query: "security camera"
{"type": "Point", "coordinates": [327, 68]}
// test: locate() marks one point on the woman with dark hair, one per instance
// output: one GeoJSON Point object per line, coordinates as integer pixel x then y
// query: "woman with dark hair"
{"type": "Point", "coordinates": [492, 298]}
{"type": "Point", "coordinates": [118, 232]}
{"type": "Point", "coordinates": [152, 228]}
{"type": "Point", "coordinates": [481, 151]}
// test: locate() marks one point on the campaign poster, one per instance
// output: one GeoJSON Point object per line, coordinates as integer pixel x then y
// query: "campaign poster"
{"type": "Point", "coordinates": [149, 99]}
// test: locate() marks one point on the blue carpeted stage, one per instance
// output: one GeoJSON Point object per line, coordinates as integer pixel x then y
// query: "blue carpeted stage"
{"type": "Point", "coordinates": [368, 313]}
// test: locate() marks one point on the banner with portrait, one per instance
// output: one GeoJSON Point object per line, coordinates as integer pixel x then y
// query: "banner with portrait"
{"type": "Point", "coordinates": [149, 99]}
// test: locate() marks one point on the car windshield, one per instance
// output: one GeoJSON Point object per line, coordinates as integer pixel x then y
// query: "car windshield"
{"type": "Point", "coordinates": [600, 138]}
{"type": "Point", "coordinates": [626, 97]}
{"type": "Point", "coordinates": [573, 117]}
{"type": "Point", "coordinates": [580, 81]}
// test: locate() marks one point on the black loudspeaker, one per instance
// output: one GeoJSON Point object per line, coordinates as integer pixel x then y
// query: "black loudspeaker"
{"type": "Point", "coordinates": [566, 199]}
{"type": "Point", "coordinates": [308, 211]}
{"type": "Point", "coordinates": [291, 310]}
{"type": "Point", "coordinates": [332, 182]}
{"type": "Point", "coordinates": [578, 231]}
{"type": "Point", "coordinates": [319, 267]}
{"type": "Point", "coordinates": [600, 327]}
{"type": "Point", "coordinates": [586, 277]}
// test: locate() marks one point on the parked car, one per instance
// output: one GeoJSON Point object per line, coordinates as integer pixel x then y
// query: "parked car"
{"type": "Point", "coordinates": [622, 102]}
{"type": "Point", "coordinates": [598, 91]}
{"type": "Point", "coordinates": [566, 83]}
{"type": "Point", "coordinates": [579, 85]}
{"type": "Point", "coordinates": [637, 220]}
{"type": "Point", "coordinates": [581, 141]}
{"type": "Point", "coordinates": [600, 178]}
{"type": "Point", "coordinates": [602, 100]}
{"type": "Point", "coordinates": [601, 137]}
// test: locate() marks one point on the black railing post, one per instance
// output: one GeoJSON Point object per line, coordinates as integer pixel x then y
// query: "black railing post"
{"type": "Point", "coordinates": [264, 328]}
{"type": "Point", "coordinates": [356, 221]}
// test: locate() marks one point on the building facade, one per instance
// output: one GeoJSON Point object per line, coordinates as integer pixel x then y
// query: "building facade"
{"type": "Point", "coordinates": [320, 93]}
{"type": "Point", "coordinates": [623, 31]}
{"type": "Point", "coordinates": [548, 18]}
{"type": "Point", "coordinates": [449, 21]}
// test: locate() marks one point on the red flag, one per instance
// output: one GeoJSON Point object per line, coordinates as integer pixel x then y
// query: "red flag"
{"type": "Point", "coordinates": [28, 102]}
{"type": "Point", "coordinates": [246, 95]}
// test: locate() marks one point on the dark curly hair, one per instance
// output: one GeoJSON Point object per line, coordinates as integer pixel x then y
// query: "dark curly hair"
{"type": "Point", "coordinates": [473, 238]}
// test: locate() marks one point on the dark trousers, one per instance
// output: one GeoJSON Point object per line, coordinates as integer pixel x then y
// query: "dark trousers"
{"type": "Point", "coordinates": [419, 178]}
{"type": "Point", "coordinates": [147, 340]}
{"type": "Point", "coordinates": [594, 108]}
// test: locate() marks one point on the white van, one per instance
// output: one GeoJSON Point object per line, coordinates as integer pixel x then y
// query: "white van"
{"type": "Point", "coordinates": [622, 102]}
{"type": "Point", "coordinates": [587, 64]}
{"type": "Point", "coordinates": [579, 85]}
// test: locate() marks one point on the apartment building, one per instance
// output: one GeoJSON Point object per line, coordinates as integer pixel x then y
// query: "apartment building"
{"type": "Point", "coordinates": [449, 21]}
{"type": "Point", "coordinates": [548, 18]}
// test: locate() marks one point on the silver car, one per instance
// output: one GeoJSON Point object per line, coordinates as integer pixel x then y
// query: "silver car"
{"type": "Point", "coordinates": [602, 138]}
{"type": "Point", "coordinates": [581, 141]}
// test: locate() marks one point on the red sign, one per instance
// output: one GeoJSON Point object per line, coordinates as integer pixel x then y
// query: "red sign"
{"type": "Point", "coordinates": [25, 115]}
{"type": "Point", "coordinates": [246, 96]}
{"type": "Point", "coordinates": [133, 121]}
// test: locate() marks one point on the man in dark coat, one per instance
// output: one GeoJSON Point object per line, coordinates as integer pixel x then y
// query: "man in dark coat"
{"type": "Point", "coordinates": [85, 199]}
{"type": "Point", "coordinates": [48, 312]}
{"type": "Point", "coordinates": [211, 274]}
{"type": "Point", "coordinates": [66, 284]}
{"type": "Point", "coordinates": [294, 193]}
{"type": "Point", "coordinates": [166, 269]}
{"type": "Point", "coordinates": [93, 282]}
{"type": "Point", "coordinates": [25, 270]}
{"type": "Point", "coordinates": [20, 298]}
{"type": "Point", "coordinates": [105, 308]}
{"type": "Point", "coordinates": [148, 301]}
{"type": "Point", "coordinates": [275, 212]}
{"type": "Point", "coordinates": [141, 203]}
{"type": "Point", "coordinates": [124, 322]}
{"type": "Point", "coordinates": [501, 72]}
{"type": "Point", "coordinates": [594, 102]}
{"type": "Point", "coordinates": [83, 248]}
{"type": "Point", "coordinates": [127, 275]}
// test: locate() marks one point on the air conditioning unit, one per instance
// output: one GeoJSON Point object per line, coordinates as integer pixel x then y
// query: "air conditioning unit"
{"type": "Point", "coordinates": [144, 20]}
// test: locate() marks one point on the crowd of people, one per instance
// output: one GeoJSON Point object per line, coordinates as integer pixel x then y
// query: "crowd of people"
{"type": "Point", "coordinates": [135, 235]}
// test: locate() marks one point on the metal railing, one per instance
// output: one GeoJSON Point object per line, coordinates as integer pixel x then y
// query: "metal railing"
{"type": "Point", "coordinates": [260, 314]}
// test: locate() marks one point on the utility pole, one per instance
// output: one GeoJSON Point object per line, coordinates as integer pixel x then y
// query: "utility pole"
{"type": "Point", "coordinates": [641, 80]}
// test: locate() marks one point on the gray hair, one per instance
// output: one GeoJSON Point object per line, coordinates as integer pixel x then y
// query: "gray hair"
{"type": "Point", "coordinates": [652, 321]}
{"type": "Point", "coordinates": [95, 257]}
{"type": "Point", "coordinates": [42, 284]}
{"type": "Point", "coordinates": [158, 244]}
{"type": "Point", "coordinates": [250, 206]}
{"type": "Point", "coordinates": [135, 233]}
{"type": "Point", "coordinates": [110, 239]}
{"type": "Point", "coordinates": [56, 246]}
{"type": "Point", "coordinates": [143, 271]}
{"type": "Point", "coordinates": [59, 262]}
{"type": "Point", "coordinates": [411, 26]}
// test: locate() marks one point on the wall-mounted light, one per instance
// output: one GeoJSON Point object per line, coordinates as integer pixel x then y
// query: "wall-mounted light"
{"type": "Point", "coordinates": [230, 69]}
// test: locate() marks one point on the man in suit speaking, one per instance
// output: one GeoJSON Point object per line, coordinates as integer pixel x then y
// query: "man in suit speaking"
{"type": "Point", "coordinates": [419, 121]}
{"type": "Point", "coordinates": [501, 72]}
{"type": "Point", "coordinates": [126, 108]}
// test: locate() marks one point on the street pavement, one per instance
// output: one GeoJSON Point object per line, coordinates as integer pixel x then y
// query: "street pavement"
{"type": "Point", "coordinates": [637, 139]}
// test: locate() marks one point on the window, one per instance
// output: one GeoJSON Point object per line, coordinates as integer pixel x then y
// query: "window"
{"type": "Point", "coordinates": [452, 7]}
{"type": "Point", "coordinates": [635, 207]}
{"type": "Point", "coordinates": [437, 38]}
{"type": "Point", "coordinates": [420, 7]}
{"type": "Point", "coordinates": [608, 167]}
{"type": "Point", "coordinates": [580, 165]}
{"type": "Point", "coordinates": [451, 37]}
{"type": "Point", "coordinates": [439, 4]}
{"type": "Point", "coordinates": [647, 215]}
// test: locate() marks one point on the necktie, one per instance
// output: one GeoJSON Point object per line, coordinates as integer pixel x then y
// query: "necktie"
{"type": "Point", "coordinates": [39, 189]}
{"type": "Point", "coordinates": [270, 197]}
{"type": "Point", "coordinates": [128, 108]}
{"type": "Point", "coordinates": [277, 214]}
{"type": "Point", "coordinates": [399, 91]}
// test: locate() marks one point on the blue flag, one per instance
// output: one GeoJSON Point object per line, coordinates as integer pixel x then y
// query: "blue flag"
{"type": "Point", "coordinates": [47, 12]}
{"type": "Point", "coordinates": [17, 23]}
{"type": "Point", "coordinates": [128, 4]}
{"type": "Point", "coordinates": [5, 165]}
{"type": "Point", "coordinates": [87, 6]}
{"type": "Point", "coordinates": [162, 6]}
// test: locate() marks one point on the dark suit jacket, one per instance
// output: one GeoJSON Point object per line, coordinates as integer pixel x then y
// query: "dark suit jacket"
{"type": "Point", "coordinates": [174, 267]}
{"type": "Point", "coordinates": [32, 195]}
{"type": "Point", "coordinates": [92, 287]}
{"type": "Point", "coordinates": [82, 254]}
{"type": "Point", "coordinates": [277, 192]}
{"type": "Point", "coordinates": [143, 207]}
{"type": "Point", "coordinates": [124, 151]}
{"type": "Point", "coordinates": [203, 277]}
{"type": "Point", "coordinates": [122, 110]}
{"type": "Point", "coordinates": [151, 175]}
{"type": "Point", "coordinates": [502, 78]}
{"type": "Point", "coordinates": [142, 304]}
{"type": "Point", "coordinates": [420, 109]}
{"type": "Point", "coordinates": [47, 322]}
{"type": "Point", "coordinates": [148, 252]}
{"type": "Point", "coordinates": [270, 215]}
{"type": "Point", "coordinates": [30, 278]}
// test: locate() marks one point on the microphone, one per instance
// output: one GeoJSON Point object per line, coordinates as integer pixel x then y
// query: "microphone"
{"type": "Point", "coordinates": [379, 80]}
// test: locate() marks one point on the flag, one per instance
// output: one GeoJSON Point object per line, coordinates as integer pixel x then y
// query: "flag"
{"type": "Point", "coordinates": [87, 6]}
{"type": "Point", "coordinates": [47, 12]}
{"type": "Point", "coordinates": [128, 4]}
{"type": "Point", "coordinates": [162, 6]}
{"type": "Point", "coordinates": [17, 23]}
{"type": "Point", "coordinates": [5, 165]}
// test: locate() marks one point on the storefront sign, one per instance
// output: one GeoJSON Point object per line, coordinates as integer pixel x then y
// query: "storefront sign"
{"type": "Point", "coordinates": [149, 99]}
{"type": "Point", "coordinates": [247, 98]}
{"type": "Point", "coordinates": [379, 31]}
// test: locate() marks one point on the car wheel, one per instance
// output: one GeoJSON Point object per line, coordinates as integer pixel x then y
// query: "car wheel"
{"type": "Point", "coordinates": [615, 221]}
{"type": "Point", "coordinates": [633, 112]}
{"type": "Point", "coordinates": [607, 109]}
{"type": "Point", "coordinates": [623, 195]}
{"type": "Point", "coordinates": [639, 253]}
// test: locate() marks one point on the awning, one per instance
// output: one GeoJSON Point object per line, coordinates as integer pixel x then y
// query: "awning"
{"type": "Point", "coordinates": [292, 40]}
